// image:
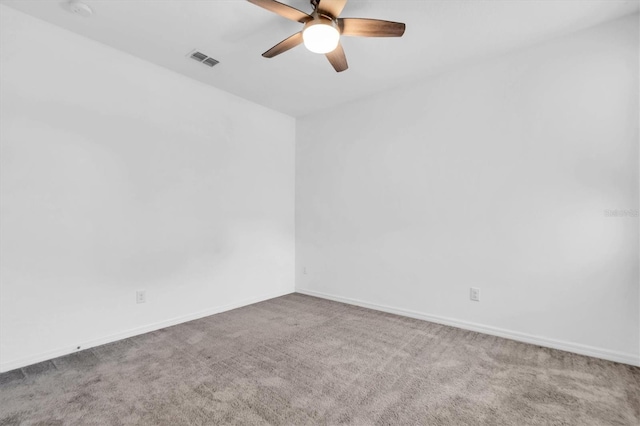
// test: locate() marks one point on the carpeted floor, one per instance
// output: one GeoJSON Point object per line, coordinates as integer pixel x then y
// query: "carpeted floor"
{"type": "Point", "coordinates": [299, 360]}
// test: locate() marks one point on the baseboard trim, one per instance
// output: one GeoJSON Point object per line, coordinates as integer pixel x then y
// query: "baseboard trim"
{"type": "Point", "coordinates": [622, 357]}
{"type": "Point", "coordinates": [23, 362]}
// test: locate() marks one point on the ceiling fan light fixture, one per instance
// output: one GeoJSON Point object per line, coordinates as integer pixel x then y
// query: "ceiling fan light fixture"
{"type": "Point", "coordinates": [321, 36]}
{"type": "Point", "coordinates": [324, 27]}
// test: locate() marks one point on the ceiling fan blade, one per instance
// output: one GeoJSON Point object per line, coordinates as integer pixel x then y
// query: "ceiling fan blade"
{"type": "Point", "coordinates": [332, 7]}
{"type": "Point", "coordinates": [283, 10]}
{"type": "Point", "coordinates": [284, 45]}
{"type": "Point", "coordinates": [338, 59]}
{"type": "Point", "coordinates": [362, 27]}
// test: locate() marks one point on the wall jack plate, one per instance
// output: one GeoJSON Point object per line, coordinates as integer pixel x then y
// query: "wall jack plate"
{"type": "Point", "coordinates": [474, 294]}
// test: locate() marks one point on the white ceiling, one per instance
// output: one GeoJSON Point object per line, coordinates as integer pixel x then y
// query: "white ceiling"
{"type": "Point", "coordinates": [439, 35]}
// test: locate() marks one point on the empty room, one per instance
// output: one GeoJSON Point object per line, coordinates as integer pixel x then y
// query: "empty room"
{"type": "Point", "coordinates": [320, 212]}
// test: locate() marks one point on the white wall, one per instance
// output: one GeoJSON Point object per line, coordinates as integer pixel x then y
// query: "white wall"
{"type": "Point", "coordinates": [119, 175]}
{"type": "Point", "coordinates": [494, 176]}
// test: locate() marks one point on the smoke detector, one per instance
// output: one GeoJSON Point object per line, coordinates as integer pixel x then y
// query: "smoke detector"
{"type": "Point", "coordinates": [78, 8]}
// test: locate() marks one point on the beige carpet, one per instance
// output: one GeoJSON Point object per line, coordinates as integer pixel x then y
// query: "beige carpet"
{"type": "Point", "coordinates": [299, 360]}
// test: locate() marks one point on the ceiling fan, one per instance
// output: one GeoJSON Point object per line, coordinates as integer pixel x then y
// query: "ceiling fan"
{"type": "Point", "coordinates": [323, 28]}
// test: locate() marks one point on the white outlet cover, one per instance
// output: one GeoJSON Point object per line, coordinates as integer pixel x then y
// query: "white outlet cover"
{"type": "Point", "coordinates": [141, 297]}
{"type": "Point", "coordinates": [475, 294]}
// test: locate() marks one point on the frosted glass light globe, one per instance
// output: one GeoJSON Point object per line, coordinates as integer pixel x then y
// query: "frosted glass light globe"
{"type": "Point", "coordinates": [321, 37]}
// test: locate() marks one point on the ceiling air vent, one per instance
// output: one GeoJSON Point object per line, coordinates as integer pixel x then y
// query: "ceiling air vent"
{"type": "Point", "coordinates": [210, 61]}
{"type": "Point", "coordinates": [202, 58]}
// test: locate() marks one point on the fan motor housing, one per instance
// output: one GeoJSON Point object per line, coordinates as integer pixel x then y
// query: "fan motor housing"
{"type": "Point", "coordinates": [321, 20]}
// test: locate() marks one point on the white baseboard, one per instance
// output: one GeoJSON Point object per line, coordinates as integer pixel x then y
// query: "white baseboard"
{"type": "Point", "coordinates": [622, 357]}
{"type": "Point", "coordinates": [23, 362]}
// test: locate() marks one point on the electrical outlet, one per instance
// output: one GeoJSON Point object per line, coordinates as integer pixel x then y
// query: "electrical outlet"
{"type": "Point", "coordinates": [141, 296]}
{"type": "Point", "coordinates": [475, 294]}
{"type": "Point", "coordinates": [304, 270]}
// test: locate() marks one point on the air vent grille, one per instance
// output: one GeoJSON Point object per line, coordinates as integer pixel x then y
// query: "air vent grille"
{"type": "Point", "coordinates": [204, 59]}
{"type": "Point", "coordinates": [210, 61]}
{"type": "Point", "coordinates": [198, 56]}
